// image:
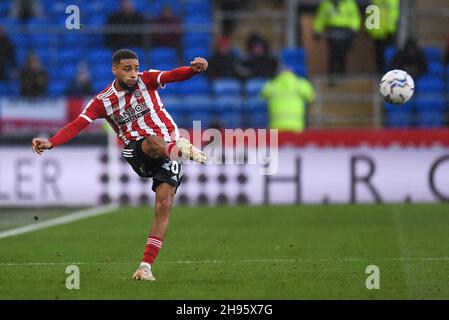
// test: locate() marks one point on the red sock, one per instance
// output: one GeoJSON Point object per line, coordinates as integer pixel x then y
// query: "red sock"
{"type": "Point", "coordinates": [152, 248]}
{"type": "Point", "coordinates": [172, 151]}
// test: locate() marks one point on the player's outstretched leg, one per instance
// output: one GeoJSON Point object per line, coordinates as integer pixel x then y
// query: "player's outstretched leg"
{"type": "Point", "coordinates": [155, 146]}
{"type": "Point", "coordinates": [189, 151]}
{"type": "Point", "coordinates": [164, 200]}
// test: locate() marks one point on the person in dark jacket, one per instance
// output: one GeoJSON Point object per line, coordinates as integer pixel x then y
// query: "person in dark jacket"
{"type": "Point", "coordinates": [411, 58]}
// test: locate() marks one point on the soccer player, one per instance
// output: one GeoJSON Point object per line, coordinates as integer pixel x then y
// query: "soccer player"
{"type": "Point", "coordinates": [133, 108]}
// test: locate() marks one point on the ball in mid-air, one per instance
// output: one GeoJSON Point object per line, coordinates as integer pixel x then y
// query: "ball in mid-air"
{"type": "Point", "coordinates": [397, 86]}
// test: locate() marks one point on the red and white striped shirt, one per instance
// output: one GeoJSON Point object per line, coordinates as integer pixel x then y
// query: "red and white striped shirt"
{"type": "Point", "coordinates": [134, 114]}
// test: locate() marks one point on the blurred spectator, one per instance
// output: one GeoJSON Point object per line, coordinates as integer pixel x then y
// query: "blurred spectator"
{"type": "Point", "coordinates": [411, 58]}
{"type": "Point", "coordinates": [340, 20]}
{"type": "Point", "coordinates": [170, 23]}
{"type": "Point", "coordinates": [25, 9]}
{"type": "Point", "coordinates": [287, 95]}
{"type": "Point", "coordinates": [33, 78]}
{"type": "Point", "coordinates": [223, 63]}
{"type": "Point", "coordinates": [384, 35]}
{"type": "Point", "coordinates": [7, 54]}
{"type": "Point", "coordinates": [259, 62]}
{"type": "Point", "coordinates": [127, 16]}
{"type": "Point", "coordinates": [81, 85]}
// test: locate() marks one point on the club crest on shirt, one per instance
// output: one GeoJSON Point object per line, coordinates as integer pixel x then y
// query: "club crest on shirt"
{"type": "Point", "coordinates": [137, 93]}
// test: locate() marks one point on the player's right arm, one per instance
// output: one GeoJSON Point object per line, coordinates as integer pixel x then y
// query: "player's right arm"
{"type": "Point", "coordinates": [158, 78]}
{"type": "Point", "coordinates": [93, 110]}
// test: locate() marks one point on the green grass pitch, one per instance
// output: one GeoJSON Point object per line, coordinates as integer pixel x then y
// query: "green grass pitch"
{"type": "Point", "coordinates": [276, 252]}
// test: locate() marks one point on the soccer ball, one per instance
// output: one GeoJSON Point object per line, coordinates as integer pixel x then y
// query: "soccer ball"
{"type": "Point", "coordinates": [397, 86]}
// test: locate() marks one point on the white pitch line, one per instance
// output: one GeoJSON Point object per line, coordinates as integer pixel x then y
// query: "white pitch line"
{"type": "Point", "coordinates": [411, 259]}
{"type": "Point", "coordinates": [58, 221]}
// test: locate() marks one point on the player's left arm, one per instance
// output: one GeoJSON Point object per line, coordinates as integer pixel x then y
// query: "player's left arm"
{"type": "Point", "coordinates": [161, 78]}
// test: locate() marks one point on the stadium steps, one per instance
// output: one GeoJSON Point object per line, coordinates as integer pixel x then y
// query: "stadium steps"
{"type": "Point", "coordinates": [348, 103]}
{"type": "Point", "coordinates": [433, 15]}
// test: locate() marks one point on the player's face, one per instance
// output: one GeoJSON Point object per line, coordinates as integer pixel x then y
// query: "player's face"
{"type": "Point", "coordinates": [127, 73]}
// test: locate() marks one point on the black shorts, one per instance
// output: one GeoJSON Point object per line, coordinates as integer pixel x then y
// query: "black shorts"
{"type": "Point", "coordinates": [161, 170]}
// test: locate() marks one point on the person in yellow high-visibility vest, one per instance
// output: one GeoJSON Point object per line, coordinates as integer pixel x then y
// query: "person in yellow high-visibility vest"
{"type": "Point", "coordinates": [389, 12]}
{"type": "Point", "coordinates": [287, 95]}
{"type": "Point", "coordinates": [340, 20]}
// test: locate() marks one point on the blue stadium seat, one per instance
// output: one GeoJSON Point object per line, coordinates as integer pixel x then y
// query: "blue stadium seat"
{"type": "Point", "coordinates": [20, 40]}
{"type": "Point", "coordinates": [203, 8]}
{"type": "Point", "coordinates": [64, 72]}
{"type": "Point", "coordinates": [36, 23]}
{"type": "Point", "coordinates": [100, 84]}
{"type": "Point", "coordinates": [69, 55]}
{"type": "Point", "coordinates": [163, 66]}
{"type": "Point", "coordinates": [173, 106]}
{"type": "Point", "coordinates": [14, 89]}
{"type": "Point", "coordinates": [193, 40]}
{"type": "Point", "coordinates": [21, 56]}
{"type": "Point", "coordinates": [8, 22]}
{"type": "Point", "coordinates": [141, 54]}
{"type": "Point", "coordinates": [400, 116]}
{"type": "Point", "coordinates": [435, 69]}
{"type": "Point", "coordinates": [56, 7]}
{"type": "Point", "coordinates": [81, 40]}
{"type": "Point", "coordinates": [256, 113]}
{"type": "Point", "coordinates": [430, 84]}
{"type": "Point", "coordinates": [163, 55]}
{"type": "Point", "coordinates": [227, 87]}
{"type": "Point", "coordinates": [431, 119]}
{"type": "Point", "coordinates": [229, 111]}
{"type": "Point", "coordinates": [198, 85]}
{"type": "Point", "coordinates": [431, 109]}
{"type": "Point", "coordinates": [253, 87]}
{"type": "Point", "coordinates": [99, 56]}
{"type": "Point", "coordinates": [57, 88]}
{"type": "Point", "coordinates": [155, 8]}
{"type": "Point", "coordinates": [9, 89]}
{"type": "Point", "coordinates": [41, 41]}
{"type": "Point", "coordinates": [191, 53]}
{"type": "Point", "coordinates": [4, 90]}
{"type": "Point", "coordinates": [171, 89]}
{"type": "Point", "coordinates": [199, 108]}
{"type": "Point", "coordinates": [430, 102]}
{"type": "Point", "coordinates": [94, 20]}
{"type": "Point", "coordinates": [199, 21]}
{"type": "Point", "coordinates": [433, 54]}
{"type": "Point", "coordinates": [45, 55]}
{"type": "Point", "coordinates": [4, 8]}
{"type": "Point", "coordinates": [202, 103]}
{"type": "Point", "coordinates": [101, 71]}
{"type": "Point", "coordinates": [389, 53]}
{"type": "Point", "coordinates": [94, 40]}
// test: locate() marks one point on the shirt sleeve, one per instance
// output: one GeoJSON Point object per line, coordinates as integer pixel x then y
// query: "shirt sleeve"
{"type": "Point", "coordinates": [157, 78]}
{"type": "Point", "coordinates": [93, 110]}
{"type": "Point", "coordinates": [69, 131]}
{"type": "Point", "coordinates": [152, 78]}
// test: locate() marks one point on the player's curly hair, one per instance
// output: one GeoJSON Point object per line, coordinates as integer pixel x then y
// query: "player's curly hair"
{"type": "Point", "coordinates": [123, 54]}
